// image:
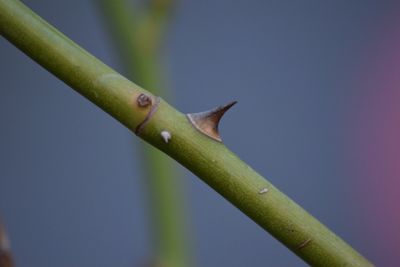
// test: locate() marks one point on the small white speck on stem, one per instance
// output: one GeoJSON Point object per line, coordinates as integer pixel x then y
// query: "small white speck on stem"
{"type": "Point", "coordinates": [263, 191]}
{"type": "Point", "coordinates": [166, 136]}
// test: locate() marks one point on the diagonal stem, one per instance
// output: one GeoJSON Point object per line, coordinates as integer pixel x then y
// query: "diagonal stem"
{"type": "Point", "coordinates": [210, 160]}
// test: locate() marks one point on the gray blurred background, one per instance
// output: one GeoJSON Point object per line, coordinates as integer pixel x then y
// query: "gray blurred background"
{"type": "Point", "coordinates": [71, 192]}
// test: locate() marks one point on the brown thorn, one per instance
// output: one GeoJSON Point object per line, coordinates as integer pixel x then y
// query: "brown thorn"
{"type": "Point", "coordinates": [148, 116]}
{"type": "Point", "coordinates": [304, 244]}
{"type": "Point", "coordinates": [207, 122]}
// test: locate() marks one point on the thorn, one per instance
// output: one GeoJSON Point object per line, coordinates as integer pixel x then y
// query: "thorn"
{"type": "Point", "coordinates": [263, 191]}
{"type": "Point", "coordinates": [166, 136]}
{"type": "Point", "coordinates": [207, 122]}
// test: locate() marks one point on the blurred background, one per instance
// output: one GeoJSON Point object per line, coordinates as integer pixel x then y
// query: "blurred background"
{"type": "Point", "coordinates": [318, 114]}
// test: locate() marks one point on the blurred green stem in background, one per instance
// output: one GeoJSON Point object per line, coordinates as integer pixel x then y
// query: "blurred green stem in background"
{"type": "Point", "coordinates": [139, 36]}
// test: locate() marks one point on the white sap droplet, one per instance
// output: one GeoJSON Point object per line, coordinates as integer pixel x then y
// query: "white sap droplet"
{"type": "Point", "coordinates": [263, 191]}
{"type": "Point", "coordinates": [166, 136]}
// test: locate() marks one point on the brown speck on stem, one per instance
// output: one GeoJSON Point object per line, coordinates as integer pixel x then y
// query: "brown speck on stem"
{"type": "Point", "coordinates": [207, 122]}
{"type": "Point", "coordinates": [304, 244]}
{"type": "Point", "coordinates": [143, 100]}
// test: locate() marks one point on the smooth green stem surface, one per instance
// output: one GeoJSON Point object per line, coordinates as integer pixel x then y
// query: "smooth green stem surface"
{"type": "Point", "coordinates": [134, 32]}
{"type": "Point", "coordinates": [208, 159]}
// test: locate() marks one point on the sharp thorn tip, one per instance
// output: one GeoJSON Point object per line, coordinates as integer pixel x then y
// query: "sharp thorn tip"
{"type": "Point", "coordinates": [207, 122]}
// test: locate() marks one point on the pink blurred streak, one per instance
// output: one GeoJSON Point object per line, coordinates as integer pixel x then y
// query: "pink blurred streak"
{"type": "Point", "coordinates": [376, 148]}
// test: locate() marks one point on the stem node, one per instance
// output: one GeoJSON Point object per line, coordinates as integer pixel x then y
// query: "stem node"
{"type": "Point", "coordinates": [143, 100]}
{"type": "Point", "coordinates": [150, 114]}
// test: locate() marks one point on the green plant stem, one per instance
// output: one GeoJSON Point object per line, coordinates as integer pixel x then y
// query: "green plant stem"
{"type": "Point", "coordinates": [138, 39]}
{"type": "Point", "coordinates": [208, 159]}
